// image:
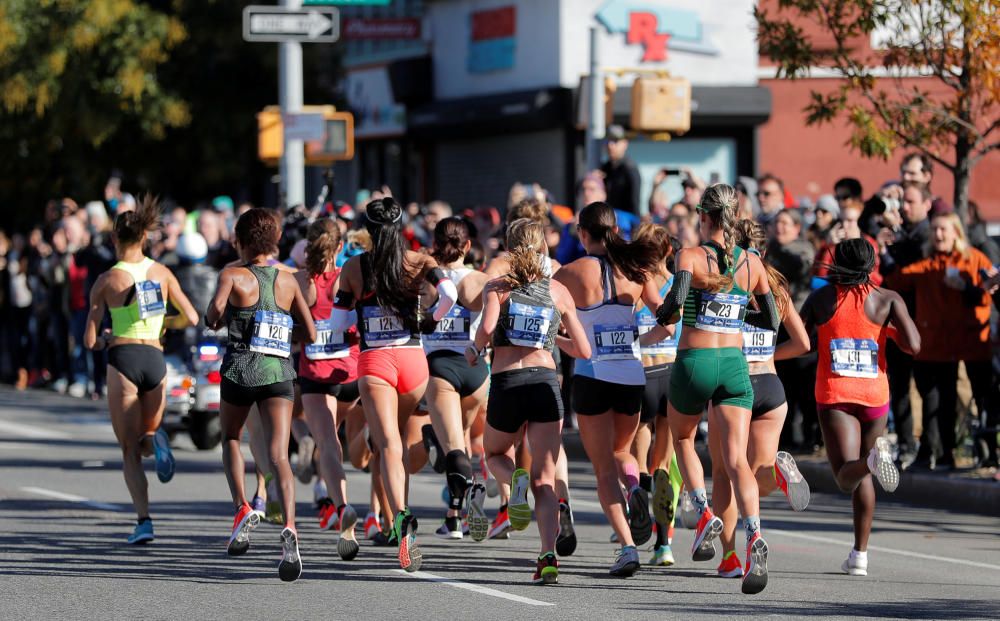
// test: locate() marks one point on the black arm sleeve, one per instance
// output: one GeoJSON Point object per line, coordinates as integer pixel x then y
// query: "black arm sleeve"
{"type": "Point", "coordinates": [670, 311]}
{"type": "Point", "coordinates": [435, 276]}
{"type": "Point", "coordinates": [769, 310]}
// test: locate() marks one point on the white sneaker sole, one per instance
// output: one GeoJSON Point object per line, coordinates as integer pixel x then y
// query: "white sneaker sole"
{"type": "Point", "coordinates": [290, 567]}
{"type": "Point", "coordinates": [479, 524]}
{"type": "Point", "coordinates": [239, 541]}
{"type": "Point", "coordinates": [885, 471]}
{"type": "Point", "coordinates": [798, 487]}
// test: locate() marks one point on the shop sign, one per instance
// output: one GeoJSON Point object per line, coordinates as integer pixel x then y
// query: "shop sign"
{"type": "Point", "coordinates": [492, 36]}
{"type": "Point", "coordinates": [656, 28]}
{"type": "Point", "coordinates": [396, 29]}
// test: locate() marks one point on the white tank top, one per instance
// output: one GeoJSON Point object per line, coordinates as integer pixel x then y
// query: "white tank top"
{"type": "Point", "coordinates": [456, 330]}
{"type": "Point", "coordinates": [614, 337]}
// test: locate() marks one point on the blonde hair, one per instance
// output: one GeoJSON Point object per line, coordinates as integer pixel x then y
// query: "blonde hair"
{"type": "Point", "coordinates": [530, 208]}
{"type": "Point", "coordinates": [961, 241]}
{"type": "Point", "coordinates": [720, 202]}
{"type": "Point", "coordinates": [525, 242]}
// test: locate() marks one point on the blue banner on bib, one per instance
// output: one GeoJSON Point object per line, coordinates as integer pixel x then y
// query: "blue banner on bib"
{"type": "Point", "coordinates": [527, 325]}
{"type": "Point", "coordinates": [854, 358]}
{"type": "Point", "coordinates": [272, 334]}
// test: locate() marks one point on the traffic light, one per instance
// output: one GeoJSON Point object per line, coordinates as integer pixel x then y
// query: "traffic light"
{"type": "Point", "coordinates": [336, 144]}
{"type": "Point", "coordinates": [661, 104]}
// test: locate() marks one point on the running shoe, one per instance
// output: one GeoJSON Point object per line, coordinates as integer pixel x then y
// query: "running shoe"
{"type": "Point", "coordinates": [626, 563]}
{"type": "Point", "coordinates": [305, 469]}
{"type": "Point", "coordinates": [245, 521]}
{"type": "Point", "coordinates": [880, 464]}
{"type": "Point", "coordinates": [547, 569]}
{"type": "Point", "coordinates": [730, 567]}
{"type": "Point", "coordinates": [143, 533]}
{"type": "Point", "coordinates": [347, 545]}
{"type": "Point", "coordinates": [435, 454]}
{"type": "Point", "coordinates": [755, 577]}
{"type": "Point", "coordinates": [492, 487]}
{"type": "Point", "coordinates": [410, 556]}
{"type": "Point", "coordinates": [855, 565]}
{"type": "Point", "coordinates": [290, 567]}
{"type": "Point", "coordinates": [500, 529]}
{"type": "Point", "coordinates": [689, 515]}
{"type": "Point", "coordinates": [327, 514]}
{"type": "Point", "coordinates": [451, 528]}
{"type": "Point", "coordinates": [165, 463]}
{"type": "Point", "coordinates": [790, 481]}
{"type": "Point", "coordinates": [478, 523]}
{"type": "Point", "coordinates": [663, 556]}
{"type": "Point", "coordinates": [258, 505]}
{"type": "Point", "coordinates": [272, 508]}
{"type": "Point", "coordinates": [385, 539]}
{"type": "Point", "coordinates": [566, 540]}
{"type": "Point", "coordinates": [613, 538]}
{"type": "Point", "coordinates": [319, 491]}
{"type": "Point", "coordinates": [518, 508]}
{"type": "Point", "coordinates": [663, 497]}
{"type": "Point", "coordinates": [639, 521]}
{"type": "Point", "coordinates": [709, 528]}
{"type": "Point", "coordinates": [372, 526]}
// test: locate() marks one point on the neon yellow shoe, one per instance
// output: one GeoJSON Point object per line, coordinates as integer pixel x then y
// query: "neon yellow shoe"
{"type": "Point", "coordinates": [518, 509]}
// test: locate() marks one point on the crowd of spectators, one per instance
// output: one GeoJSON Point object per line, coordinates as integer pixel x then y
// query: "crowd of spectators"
{"type": "Point", "coordinates": [942, 266]}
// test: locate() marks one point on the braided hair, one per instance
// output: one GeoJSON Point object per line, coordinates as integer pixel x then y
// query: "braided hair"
{"type": "Point", "coordinates": [750, 236]}
{"type": "Point", "coordinates": [720, 203]}
{"type": "Point", "coordinates": [853, 262]}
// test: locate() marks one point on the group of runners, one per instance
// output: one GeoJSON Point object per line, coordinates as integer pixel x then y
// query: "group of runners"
{"type": "Point", "coordinates": [424, 357]}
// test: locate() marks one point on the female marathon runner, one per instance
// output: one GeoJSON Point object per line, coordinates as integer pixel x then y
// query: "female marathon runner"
{"type": "Point", "coordinates": [457, 390]}
{"type": "Point", "coordinates": [384, 287]}
{"type": "Point", "coordinates": [254, 301]}
{"type": "Point", "coordinates": [607, 389]}
{"type": "Point", "coordinates": [522, 312]}
{"type": "Point", "coordinates": [774, 469]}
{"type": "Point", "coordinates": [328, 372]}
{"type": "Point", "coordinates": [712, 285]}
{"type": "Point", "coordinates": [136, 291]}
{"type": "Point", "coordinates": [657, 361]}
{"type": "Point", "coordinates": [537, 212]}
{"type": "Point", "coordinates": [852, 319]}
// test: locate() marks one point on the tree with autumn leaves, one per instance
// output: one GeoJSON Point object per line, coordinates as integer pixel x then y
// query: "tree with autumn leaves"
{"type": "Point", "coordinates": [876, 47]}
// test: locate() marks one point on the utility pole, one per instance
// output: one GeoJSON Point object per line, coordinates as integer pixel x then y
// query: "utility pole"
{"type": "Point", "coordinates": [595, 124]}
{"type": "Point", "coordinates": [292, 167]}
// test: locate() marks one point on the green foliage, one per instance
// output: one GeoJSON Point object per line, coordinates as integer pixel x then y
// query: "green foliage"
{"type": "Point", "coordinates": [164, 90]}
{"type": "Point", "coordinates": [956, 42]}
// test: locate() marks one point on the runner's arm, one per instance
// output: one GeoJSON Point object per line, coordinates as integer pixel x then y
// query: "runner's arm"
{"type": "Point", "coordinates": [94, 318]}
{"type": "Point", "coordinates": [178, 299]}
{"type": "Point", "coordinates": [216, 310]}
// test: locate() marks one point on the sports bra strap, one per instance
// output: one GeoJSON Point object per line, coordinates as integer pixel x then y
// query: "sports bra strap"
{"type": "Point", "coordinates": [609, 293]}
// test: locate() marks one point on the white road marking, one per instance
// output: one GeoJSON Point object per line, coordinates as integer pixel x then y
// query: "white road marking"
{"type": "Point", "coordinates": [93, 463]}
{"type": "Point", "coordinates": [27, 431]}
{"type": "Point", "coordinates": [48, 493]}
{"type": "Point", "coordinates": [928, 557]}
{"type": "Point", "coordinates": [17, 446]}
{"type": "Point", "coordinates": [423, 575]}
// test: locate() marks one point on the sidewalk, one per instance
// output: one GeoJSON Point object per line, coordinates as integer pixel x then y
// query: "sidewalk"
{"type": "Point", "coordinates": [955, 490]}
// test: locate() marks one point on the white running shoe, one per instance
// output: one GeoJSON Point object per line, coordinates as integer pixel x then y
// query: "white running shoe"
{"type": "Point", "coordinates": [626, 563]}
{"type": "Point", "coordinates": [479, 524]}
{"type": "Point", "coordinates": [880, 464]}
{"type": "Point", "coordinates": [856, 564]}
{"type": "Point", "coordinates": [290, 567]}
{"type": "Point", "coordinates": [689, 515]}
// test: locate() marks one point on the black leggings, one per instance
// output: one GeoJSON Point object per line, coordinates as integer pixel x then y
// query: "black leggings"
{"type": "Point", "coordinates": [937, 383]}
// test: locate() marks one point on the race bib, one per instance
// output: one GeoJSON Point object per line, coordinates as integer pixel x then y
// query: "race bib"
{"type": "Point", "coordinates": [454, 328]}
{"type": "Point", "coordinates": [383, 329]}
{"type": "Point", "coordinates": [527, 325]}
{"type": "Point", "coordinates": [329, 345]}
{"type": "Point", "coordinates": [149, 296]}
{"type": "Point", "coordinates": [758, 343]}
{"type": "Point", "coordinates": [854, 358]}
{"type": "Point", "coordinates": [666, 347]}
{"type": "Point", "coordinates": [721, 312]}
{"type": "Point", "coordinates": [272, 334]}
{"type": "Point", "coordinates": [615, 342]}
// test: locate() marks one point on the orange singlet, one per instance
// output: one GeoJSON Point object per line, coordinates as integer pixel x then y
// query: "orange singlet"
{"type": "Point", "coordinates": [851, 347]}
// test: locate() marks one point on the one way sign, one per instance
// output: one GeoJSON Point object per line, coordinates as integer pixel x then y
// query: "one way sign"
{"type": "Point", "coordinates": [277, 24]}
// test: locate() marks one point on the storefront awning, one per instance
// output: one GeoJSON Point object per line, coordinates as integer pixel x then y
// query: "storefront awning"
{"type": "Point", "coordinates": [507, 112]}
{"type": "Point", "coordinates": [712, 106]}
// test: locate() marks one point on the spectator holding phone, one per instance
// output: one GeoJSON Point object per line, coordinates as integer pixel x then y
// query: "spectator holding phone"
{"type": "Point", "coordinates": [953, 317]}
{"type": "Point", "coordinates": [846, 227]}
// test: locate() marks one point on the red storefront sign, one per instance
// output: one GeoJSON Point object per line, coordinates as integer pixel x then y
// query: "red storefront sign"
{"type": "Point", "coordinates": [403, 28]}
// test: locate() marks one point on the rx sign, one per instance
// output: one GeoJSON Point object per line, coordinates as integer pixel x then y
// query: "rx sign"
{"type": "Point", "coordinates": [656, 28]}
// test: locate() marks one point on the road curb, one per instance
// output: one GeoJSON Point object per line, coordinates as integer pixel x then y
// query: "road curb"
{"type": "Point", "coordinates": [938, 491]}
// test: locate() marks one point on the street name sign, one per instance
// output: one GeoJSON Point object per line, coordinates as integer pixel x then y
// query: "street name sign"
{"type": "Point", "coordinates": [277, 24]}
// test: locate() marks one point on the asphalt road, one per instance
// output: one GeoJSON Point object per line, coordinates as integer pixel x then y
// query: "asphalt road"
{"type": "Point", "coordinates": [65, 513]}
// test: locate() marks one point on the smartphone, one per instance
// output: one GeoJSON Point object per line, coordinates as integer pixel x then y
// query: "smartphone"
{"type": "Point", "coordinates": [670, 171]}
